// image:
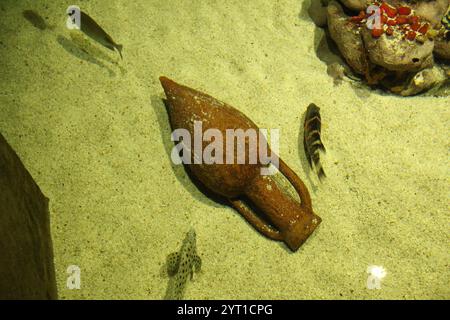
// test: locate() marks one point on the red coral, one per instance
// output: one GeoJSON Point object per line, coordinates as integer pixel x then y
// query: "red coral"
{"type": "Point", "coordinates": [415, 26]}
{"type": "Point", "coordinates": [391, 22]}
{"type": "Point", "coordinates": [359, 17]}
{"type": "Point", "coordinates": [376, 33]}
{"type": "Point", "coordinates": [390, 11]}
{"type": "Point", "coordinates": [413, 20]}
{"type": "Point", "coordinates": [405, 11]}
{"type": "Point", "coordinates": [424, 28]}
{"type": "Point", "coordinates": [411, 35]}
{"type": "Point", "coordinates": [401, 20]}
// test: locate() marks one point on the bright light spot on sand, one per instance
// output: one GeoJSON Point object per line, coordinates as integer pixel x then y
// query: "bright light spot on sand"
{"type": "Point", "coordinates": [377, 271]}
{"type": "Point", "coordinates": [376, 274]}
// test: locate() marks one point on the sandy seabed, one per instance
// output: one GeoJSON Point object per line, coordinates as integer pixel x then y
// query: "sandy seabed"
{"type": "Point", "coordinates": [93, 132]}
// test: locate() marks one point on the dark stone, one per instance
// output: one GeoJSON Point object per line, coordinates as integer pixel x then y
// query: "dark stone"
{"type": "Point", "coordinates": [26, 253]}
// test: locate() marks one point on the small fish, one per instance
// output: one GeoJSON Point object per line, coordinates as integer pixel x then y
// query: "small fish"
{"type": "Point", "coordinates": [312, 142]}
{"type": "Point", "coordinates": [182, 265]}
{"type": "Point", "coordinates": [339, 71]}
{"type": "Point", "coordinates": [94, 31]}
{"type": "Point", "coordinates": [336, 71]}
{"type": "Point", "coordinates": [35, 19]}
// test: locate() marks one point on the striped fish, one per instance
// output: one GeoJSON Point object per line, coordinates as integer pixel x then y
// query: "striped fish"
{"type": "Point", "coordinates": [312, 143]}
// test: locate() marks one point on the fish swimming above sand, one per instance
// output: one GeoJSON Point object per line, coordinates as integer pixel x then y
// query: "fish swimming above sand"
{"type": "Point", "coordinates": [181, 265]}
{"type": "Point", "coordinates": [312, 141]}
{"type": "Point", "coordinates": [93, 30]}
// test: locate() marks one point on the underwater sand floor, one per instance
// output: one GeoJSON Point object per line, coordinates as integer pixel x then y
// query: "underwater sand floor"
{"type": "Point", "coordinates": [94, 134]}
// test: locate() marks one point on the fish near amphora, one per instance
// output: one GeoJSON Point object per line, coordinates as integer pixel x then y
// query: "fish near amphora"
{"type": "Point", "coordinates": [92, 29]}
{"type": "Point", "coordinates": [257, 197]}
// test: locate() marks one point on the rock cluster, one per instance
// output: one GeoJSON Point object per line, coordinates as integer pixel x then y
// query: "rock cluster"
{"type": "Point", "coordinates": [398, 45]}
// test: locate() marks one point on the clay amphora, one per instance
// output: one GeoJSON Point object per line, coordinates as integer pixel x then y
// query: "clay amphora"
{"type": "Point", "coordinates": [257, 197]}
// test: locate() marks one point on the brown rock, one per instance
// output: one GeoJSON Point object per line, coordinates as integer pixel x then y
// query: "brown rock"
{"type": "Point", "coordinates": [442, 48]}
{"type": "Point", "coordinates": [433, 11]}
{"type": "Point", "coordinates": [423, 80]}
{"type": "Point", "coordinates": [26, 255]}
{"type": "Point", "coordinates": [318, 13]}
{"type": "Point", "coordinates": [398, 54]}
{"type": "Point", "coordinates": [356, 5]}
